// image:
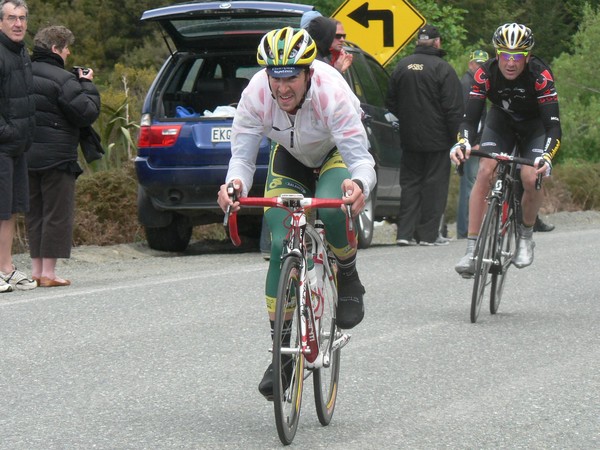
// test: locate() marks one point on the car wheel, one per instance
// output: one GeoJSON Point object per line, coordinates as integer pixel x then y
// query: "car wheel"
{"type": "Point", "coordinates": [175, 237]}
{"type": "Point", "coordinates": [364, 224]}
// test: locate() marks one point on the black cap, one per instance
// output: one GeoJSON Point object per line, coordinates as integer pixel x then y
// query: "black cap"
{"type": "Point", "coordinates": [428, 32]}
{"type": "Point", "coordinates": [322, 30]}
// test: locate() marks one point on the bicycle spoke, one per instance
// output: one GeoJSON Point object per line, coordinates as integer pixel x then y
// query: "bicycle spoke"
{"type": "Point", "coordinates": [325, 378]}
{"type": "Point", "coordinates": [288, 360]}
{"type": "Point", "coordinates": [506, 251]}
{"type": "Point", "coordinates": [484, 257]}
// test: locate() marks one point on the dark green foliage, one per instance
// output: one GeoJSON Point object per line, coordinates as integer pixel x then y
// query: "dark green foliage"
{"type": "Point", "coordinates": [106, 31]}
{"type": "Point", "coordinates": [553, 21]}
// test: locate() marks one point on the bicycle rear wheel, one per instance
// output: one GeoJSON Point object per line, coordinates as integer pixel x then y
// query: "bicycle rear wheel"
{"type": "Point", "coordinates": [484, 254]}
{"type": "Point", "coordinates": [507, 239]}
{"type": "Point", "coordinates": [288, 360]}
{"type": "Point", "coordinates": [325, 379]}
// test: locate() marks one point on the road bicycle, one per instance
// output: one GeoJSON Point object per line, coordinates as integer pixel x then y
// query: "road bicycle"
{"type": "Point", "coordinates": [305, 309]}
{"type": "Point", "coordinates": [498, 235]}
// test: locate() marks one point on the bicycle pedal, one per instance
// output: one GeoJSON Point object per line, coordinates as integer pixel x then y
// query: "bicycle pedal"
{"type": "Point", "coordinates": [341, 342]}
{"type": "Point", "coordinates": [467, 276]}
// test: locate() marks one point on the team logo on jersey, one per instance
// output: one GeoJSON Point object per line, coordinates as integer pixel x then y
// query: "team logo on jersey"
{"type": "Point", "coordinates": [481, 78]}
{"type": "Point", "coordinates": [542, 82]}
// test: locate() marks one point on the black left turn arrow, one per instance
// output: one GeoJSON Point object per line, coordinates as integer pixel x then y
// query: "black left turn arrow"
{"type": "Point", "coordinates": [363, 16]}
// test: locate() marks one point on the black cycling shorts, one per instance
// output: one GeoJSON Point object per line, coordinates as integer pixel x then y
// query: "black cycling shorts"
{"type": "Point", "coordinates": [502, 133]}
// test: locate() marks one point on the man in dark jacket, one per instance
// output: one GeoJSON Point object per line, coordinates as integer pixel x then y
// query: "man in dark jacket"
{"type": "Point", "coordinates": [425, 94]}
{"type": "Point", "coordinates": [65, 102]}
{"type": "Point", "coordinates": [17, 123]}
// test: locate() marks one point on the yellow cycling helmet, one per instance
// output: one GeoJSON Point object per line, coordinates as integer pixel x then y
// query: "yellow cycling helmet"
{"type": "Point", "coordinates": [513, 36]}
{"type": "Point", "coordinates": [285, 52]}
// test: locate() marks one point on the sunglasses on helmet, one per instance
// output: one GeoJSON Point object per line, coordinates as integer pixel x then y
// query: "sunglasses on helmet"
{"type": "Point", "coordinates": [515, 56]}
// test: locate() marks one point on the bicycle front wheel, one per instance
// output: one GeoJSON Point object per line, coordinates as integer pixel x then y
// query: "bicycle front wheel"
{"type": "Point", "coordinates": [484, 254]}
{"type": "Point", "coordinates": [288, 360]}
{"type": "Point", "coordinates": [325, 378]}
{"type": "Point", "coordinates": [507, 239]}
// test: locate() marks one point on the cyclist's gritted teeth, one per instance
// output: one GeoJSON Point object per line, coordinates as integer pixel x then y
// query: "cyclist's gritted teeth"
{"type": "Point", "coordinates": [287, 98]}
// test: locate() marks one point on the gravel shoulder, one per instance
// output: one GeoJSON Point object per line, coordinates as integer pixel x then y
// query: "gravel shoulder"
{"type": "Point", "coordinates": [385, 233]}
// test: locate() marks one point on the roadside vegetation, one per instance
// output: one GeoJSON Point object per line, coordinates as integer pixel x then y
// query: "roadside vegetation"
{"type": "Point", "coordinates": [126, 55]}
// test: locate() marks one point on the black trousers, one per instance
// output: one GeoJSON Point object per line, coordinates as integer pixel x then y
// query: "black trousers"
{"type": "Point", "coordinates": [424, 178]}
{"type": "Point", "coordinates": [51, 213]}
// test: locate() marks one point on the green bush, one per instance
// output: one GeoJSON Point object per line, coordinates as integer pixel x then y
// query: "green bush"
{"type": "Point", "coordinates": [580, 180]}
{"type": "Point", "coordinates": [106, 208]}
{"type": "Point", "coordinates": [578, 89]}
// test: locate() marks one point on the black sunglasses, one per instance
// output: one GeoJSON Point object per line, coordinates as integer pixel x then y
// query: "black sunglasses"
{"type": "Point", "coordinates": [340, 36]}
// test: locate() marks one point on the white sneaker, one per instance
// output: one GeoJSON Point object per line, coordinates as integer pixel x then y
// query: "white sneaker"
{"type": "Point", "coordinates": [4, 286]}
{"type": "Point", "coordinates": [439, 241]}
{"type": "Point", "coordinates": [18, 280]}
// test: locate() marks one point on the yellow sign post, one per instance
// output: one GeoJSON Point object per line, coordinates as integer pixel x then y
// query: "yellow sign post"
{"type": "Point", "coordinates": [380, 27]}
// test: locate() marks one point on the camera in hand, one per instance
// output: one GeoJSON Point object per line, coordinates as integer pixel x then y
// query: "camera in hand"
{"type": "Point", "coordinates": [84, 70]}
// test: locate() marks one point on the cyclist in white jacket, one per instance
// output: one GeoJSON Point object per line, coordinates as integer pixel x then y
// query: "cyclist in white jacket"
{"type": "Point", "coordinates": [320, 149]}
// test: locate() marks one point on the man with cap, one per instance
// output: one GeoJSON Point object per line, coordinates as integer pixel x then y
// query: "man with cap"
{"type": "Point", "coordinates": [467, 180]}
{"type": "Point", "coordinates": [426, 96]}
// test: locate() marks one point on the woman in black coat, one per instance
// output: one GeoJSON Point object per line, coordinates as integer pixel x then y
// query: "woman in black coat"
{"type": "Point", "coordinates": [65, 102]}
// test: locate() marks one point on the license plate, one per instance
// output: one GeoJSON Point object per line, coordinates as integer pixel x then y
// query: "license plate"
{"type": "Point", "coordinates": [220, 134]}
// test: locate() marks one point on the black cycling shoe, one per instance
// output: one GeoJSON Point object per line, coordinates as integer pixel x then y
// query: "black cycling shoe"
{"type": "Point", "coordinates": [542, 226]}
{"type": "Point", "coordinates": [265, 387]}
{"type": "Point", "coordinates": [350, 309]}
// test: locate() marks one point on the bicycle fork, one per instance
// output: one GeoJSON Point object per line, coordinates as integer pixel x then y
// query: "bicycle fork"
{"type": "Point", "coordinates": [311, 323]}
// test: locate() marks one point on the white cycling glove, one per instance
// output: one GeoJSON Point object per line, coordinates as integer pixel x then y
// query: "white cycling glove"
{"type": "Point", "coordinates": [463, 144]}
{"type": "Point", "coordinates": [548, 164]}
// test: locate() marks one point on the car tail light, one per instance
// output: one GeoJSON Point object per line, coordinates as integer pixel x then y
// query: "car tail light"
{"type": "Point", "coordinates": [158, 135]}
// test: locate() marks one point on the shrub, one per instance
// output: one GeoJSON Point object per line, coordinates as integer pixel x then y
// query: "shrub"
{"type": "Point", "coordinates": [580, 180]}
{"type": "Point", "coordinates": [106, 208]}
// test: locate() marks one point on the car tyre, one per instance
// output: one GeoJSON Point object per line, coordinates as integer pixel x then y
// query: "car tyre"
{"type": "Point", "coordinates": [175, 237]}
{"type": "Point", "coordinates": [365, 223]}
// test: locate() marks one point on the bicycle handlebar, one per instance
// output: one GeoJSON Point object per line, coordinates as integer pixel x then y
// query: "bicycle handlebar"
{"type": "Point", "coordinates": [505, 158]}
{"type": "Point", "coordinates": [291, 204]}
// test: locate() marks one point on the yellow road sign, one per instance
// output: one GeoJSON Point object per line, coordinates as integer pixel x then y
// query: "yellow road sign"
{"type": "Point", "coordinates": [380, 27]}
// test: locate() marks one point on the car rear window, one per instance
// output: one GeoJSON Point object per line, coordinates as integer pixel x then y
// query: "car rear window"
{"type": "Point", "coordinates": [193, 28]}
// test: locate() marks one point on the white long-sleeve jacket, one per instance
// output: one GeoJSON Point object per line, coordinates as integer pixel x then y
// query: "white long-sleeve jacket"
{"type": "Point", "coordinates": [329, 117]}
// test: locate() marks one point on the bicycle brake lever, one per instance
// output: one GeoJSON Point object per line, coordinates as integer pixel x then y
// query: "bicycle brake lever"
{"type": "Point", "coordinates": [226, 218]}
{"type": "Point", "coordinates": [232, 196]}
{"type": "Point", "coordinates": [460, 168]}
{"type": "Point", "coordinates": [538, 180]}
{"type": "Point", "coordinates": [349, 218]}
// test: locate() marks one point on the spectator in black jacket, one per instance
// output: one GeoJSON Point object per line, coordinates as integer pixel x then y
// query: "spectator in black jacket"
{"type": "Point", "coordinates": [17, 122]}
{"type": "Point", "coordinates": [65, 102]}
{"type": "Point", "coordinates": [426, 96]}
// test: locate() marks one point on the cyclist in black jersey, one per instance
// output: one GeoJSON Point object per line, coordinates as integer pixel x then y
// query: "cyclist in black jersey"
{"type": "Point", "coordinates": [525, 114]}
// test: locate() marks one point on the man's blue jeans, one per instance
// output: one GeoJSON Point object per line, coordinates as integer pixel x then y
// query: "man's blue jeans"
{"type": "Point", "coordinates": [464, 194]}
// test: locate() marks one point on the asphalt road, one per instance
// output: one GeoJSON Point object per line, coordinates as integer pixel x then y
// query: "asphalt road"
{"type": "Point", "coordinates": [147, 351]}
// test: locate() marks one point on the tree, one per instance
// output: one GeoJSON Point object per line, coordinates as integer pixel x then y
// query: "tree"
{"type": "Point", "coordinates": [105, 30]}
{"type": "Point", "coordinates": [553, 21]}
{"type": "Point", "coordinates": [578, 88]}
